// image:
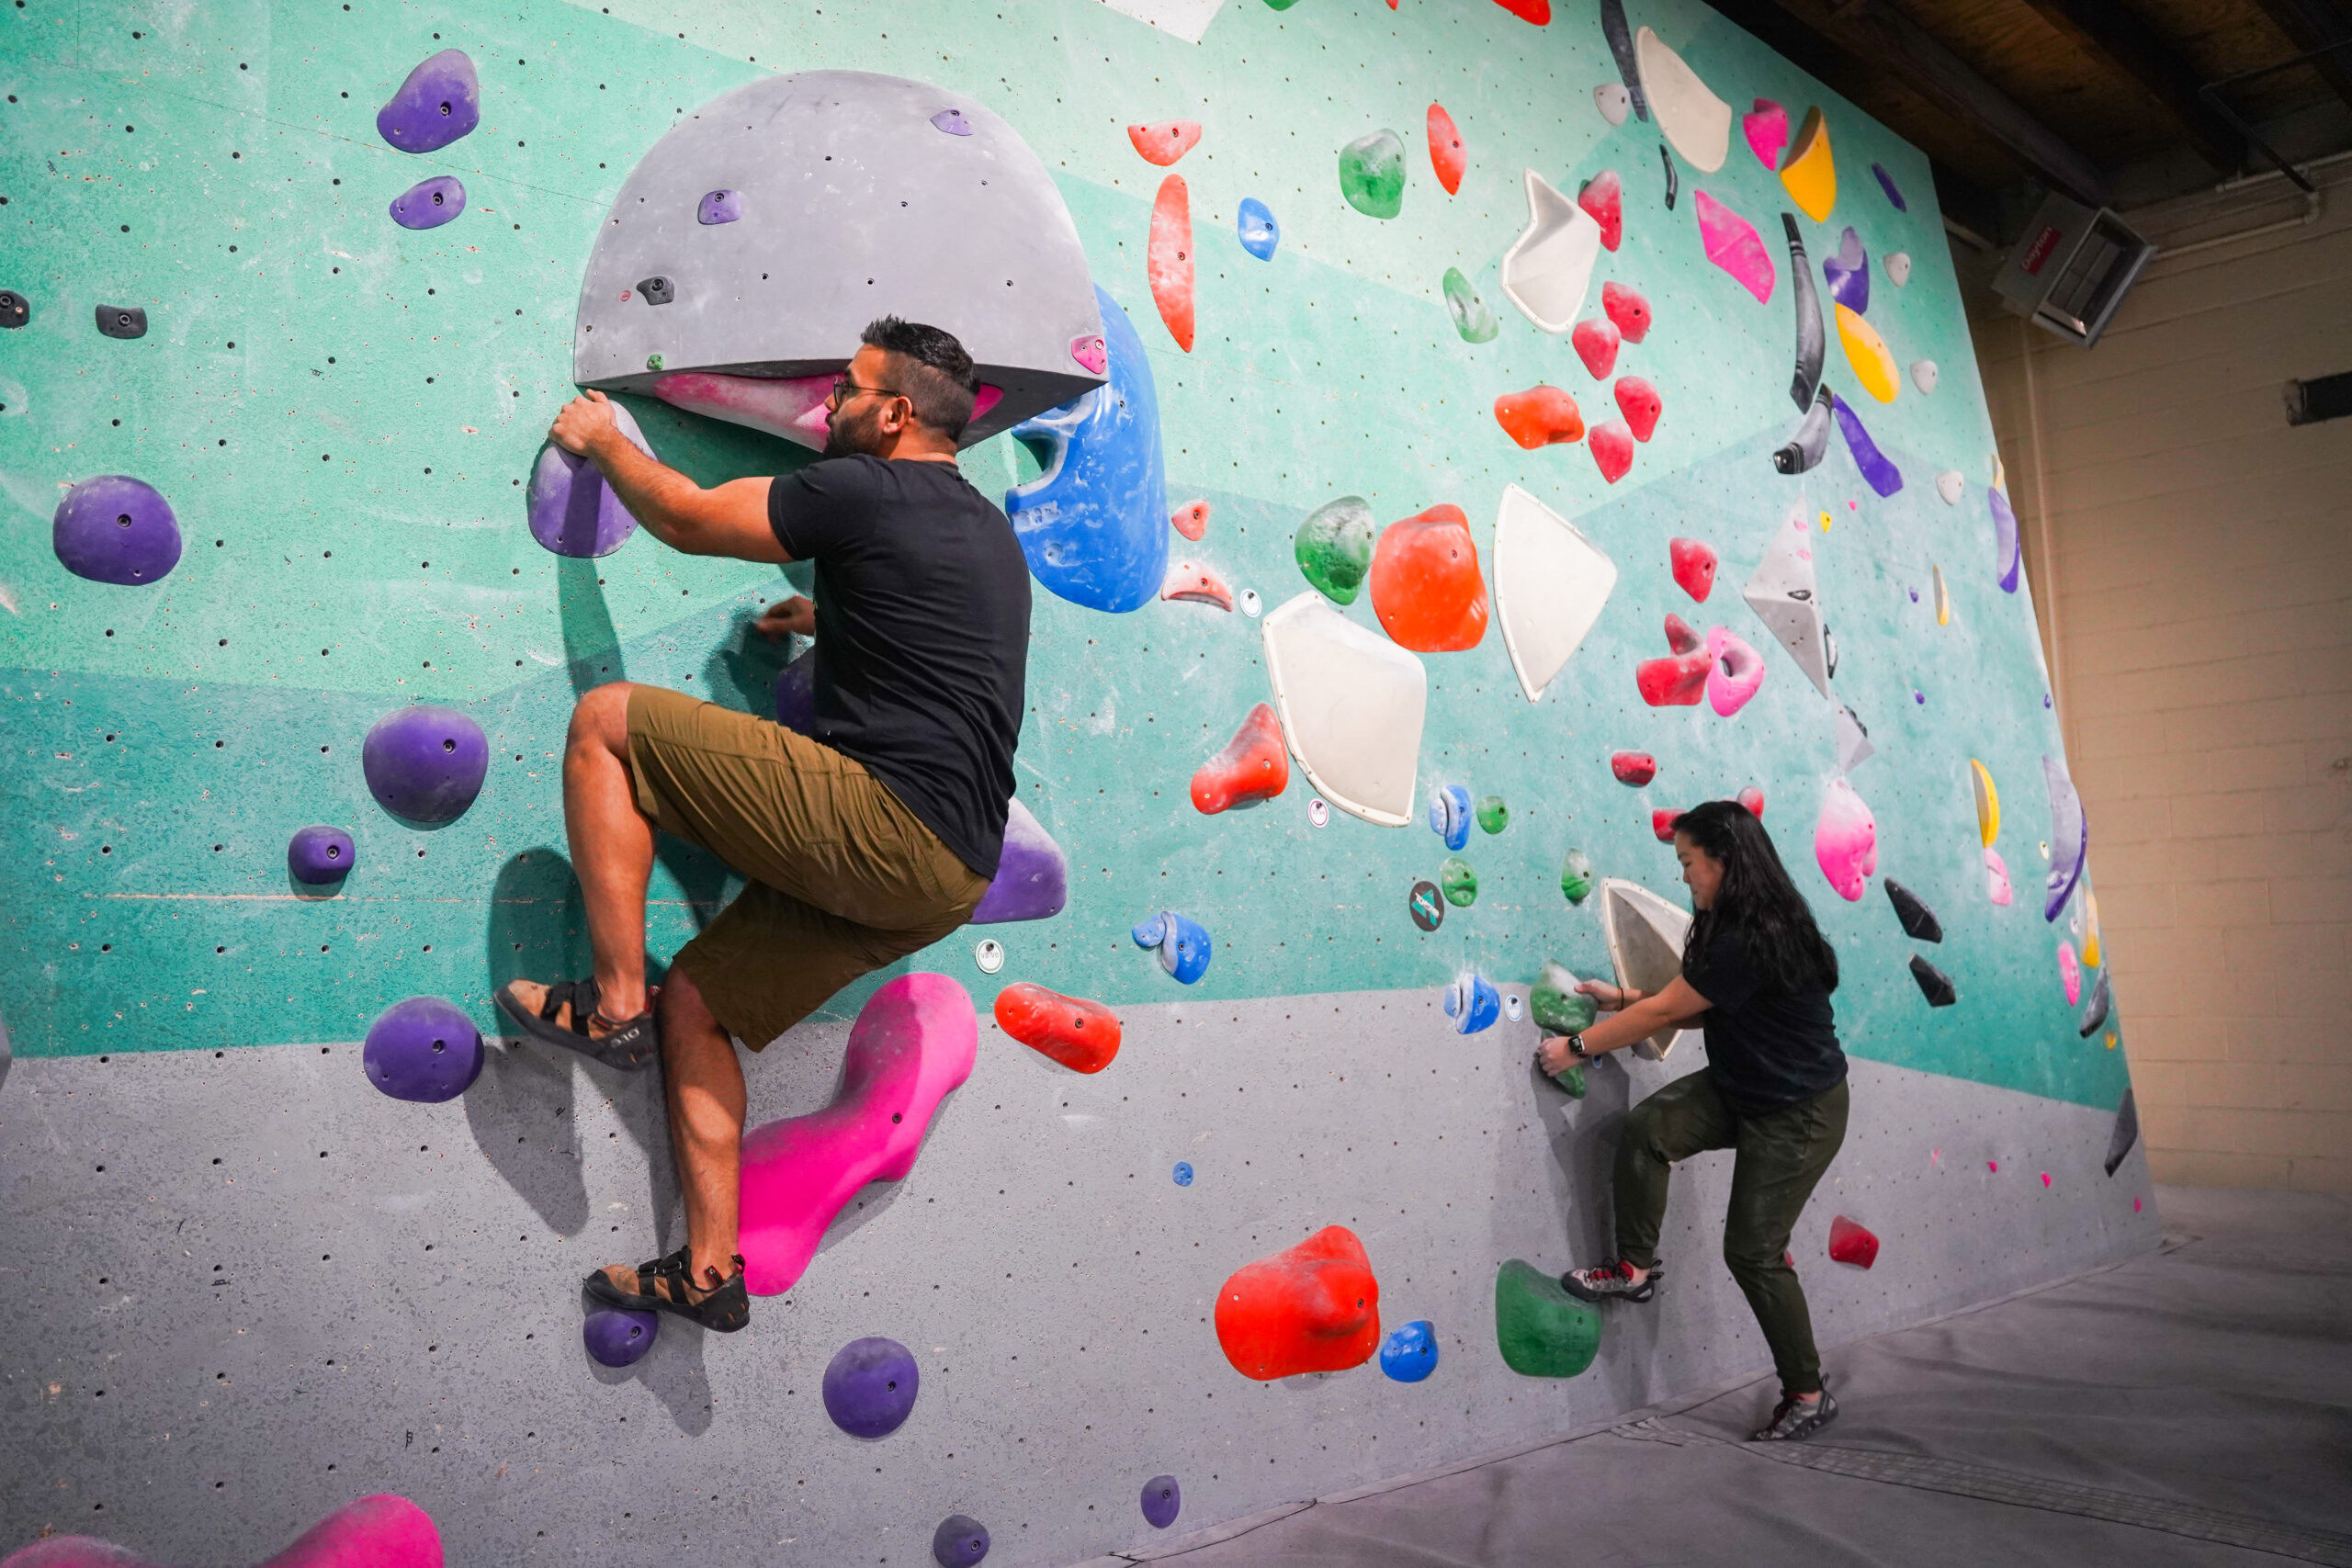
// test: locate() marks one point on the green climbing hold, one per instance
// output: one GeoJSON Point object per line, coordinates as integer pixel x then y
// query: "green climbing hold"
{"type": "Point", "coordinates": [1461, 883]}
{"type": "Point", "coordinates": [1493, 815]}
{"type": "Point", "coordinates": [1280, 5]}
{"type": "Point", "coordinates": [1472, 318]}
{"type": "Point", "coordinates": [1559, 1008]}
{"type": "Point", "coordinates": [1572, 1079]}
{"type": "Point", "coordinates": [1372, 174]}
{"type": "Point", "coordinates": [1575, 877]}
{"type": "Point", "coordinates": [653, 362]}
{"type": "Point", "coordinates": [1334, 547]}
{"type": "Point", "coordinates": [1544, 1331]}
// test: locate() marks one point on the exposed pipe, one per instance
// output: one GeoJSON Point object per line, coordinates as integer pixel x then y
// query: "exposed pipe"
{"type": "Point", "coordinates": [2313, 205]}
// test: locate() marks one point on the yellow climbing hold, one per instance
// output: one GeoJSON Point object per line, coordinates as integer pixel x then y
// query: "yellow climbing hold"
{"type": "Point", "coordinates": [1866, 352]}
{"type": "Point", "coordinates": [2110, 1042]}
{"type": "Point", "coordinates": [1943, 598]}
{"type": "Point", "coordinates": [1988, 803]}
{"type": "Point", "coordinates": [2090, 933]}
{"type": "Point", "coordinates": [1810, 174]}
{"type": "Point", "coordinates": [1824, 521]}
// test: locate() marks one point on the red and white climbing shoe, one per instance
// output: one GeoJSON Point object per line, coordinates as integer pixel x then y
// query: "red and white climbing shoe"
{"type": "Point", "coordinates": [1611, 1282]}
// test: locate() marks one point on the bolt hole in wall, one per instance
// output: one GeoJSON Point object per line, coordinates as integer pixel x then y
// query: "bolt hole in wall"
{"type": "Point", "coordinates": [1368, 713]}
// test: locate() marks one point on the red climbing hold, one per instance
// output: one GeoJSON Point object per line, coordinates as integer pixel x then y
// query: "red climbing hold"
{"type": "Point", "coordinates": [1849, 1243]}
{"type": "Point", "coordinates": [1753, 798]}
{"type": "Point", "coordinates": [1425, 583]}
{"type": "Point", "coordinates": [1677, 682]}
{"type": "Point", "coordinates": [1635, 768]}
{"type": "Point", "coordinates": [1638, 401]}
{"type": "Point", "coordinates": [1446, 155]}
{"type": "Point", "coordinates": [1166, 140]}
{"type": "Point", "coordinates": [1540, 416]}
{"type": "Point", "coordinates": [1613, 449]}
{"type": "Point", "coordinates": [1681, 636]}
{"type": "Point", "coordinates": [1603, 199]}
{"type": "Point", "coordinates": [1171, 260]}
{"type": "Point", "coordinates": [1595, 344]}
{"type": "Point", "coordinates": [1694, 567]}
{"type": "Point", "coordinates": [1254, 766]}
{"type": "Point", "coordinates": [1196, 584]}
{"type": "Point", "coordinates": [1662, 823]}
{"type": "Point", "coordinates": [1082, 1035]}
{"type": "Point", "coordinates": [1536, 11]}
{"type": "Point", "coordinates": [1191, 521]}
{"type": "Point", "coordinates": [1628, 309]}
{"type": "Point", "coordinates": [1314, 1308]}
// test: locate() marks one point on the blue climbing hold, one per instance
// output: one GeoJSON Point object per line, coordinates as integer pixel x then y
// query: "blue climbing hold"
{"type": "Point", "coordinates": [960, 1542]}
{"type": "Point", "coordinates": [428, 204]}
{"type": "Point", "coordinates": [1254, 221]}
{"type": "Point", "coordinates": [616, 1336]}
{"type": "Point", "coordinates": [1094, 523]}
{"type": "Point", "coordinates": [719, 206]}
{"type": "Point", "coordinates": [1183, 1173]}
{"type": "Point", "coordinates": [1182, 942]}
{"type": "Point", "coordinates": [1473, 1003]}
{"type": "Point", "coordinates": [1450, 815]}
{"type": "Point", "coordinates": [1410, 1353]}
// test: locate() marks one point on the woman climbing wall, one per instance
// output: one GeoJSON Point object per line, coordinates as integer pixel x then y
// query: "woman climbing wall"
{"type": "Point", "coordinates": [1757, 971]}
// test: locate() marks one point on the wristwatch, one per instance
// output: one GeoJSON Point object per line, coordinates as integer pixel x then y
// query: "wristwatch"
{"type": "Point", "coordinates": [1576, 1047]}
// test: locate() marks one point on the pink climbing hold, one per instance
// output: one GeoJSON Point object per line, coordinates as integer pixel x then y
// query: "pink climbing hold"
{"type": "Point", "coordinates": [1681, 636]}
{"type": "Point", "coordinates": [1752, 798]}
{"type": "Point", "coordinates": [1849, 1243]}
{"type": "Point", "coordinates": [1612, 449]}
{"type": "Point", "coordinates": [1254, 766]}
{"type": "Point", "coordinates": [378, 1531]}
{"type": "Point", "coordinates": [1596, 343]}
{"type": "Point", "coordinates": [1694, 567]}
{"type": "Point", "coordinates": [1192, 521]}
{"type": "Point", "coordinates": [790, 406]}
{"type": "Point", "coordinates": [1994, 1165]}
{"type": "Point", "coordinates": [1446, 153]}
{"type": "Point", "coordinates": [1628, 308]}
{"type": "Point", "coordinates": [1845, 840]}
{"type": "Point", "coordinates": [1662, 822]}
{"type": "Point", "coordinates": [2070, 972]}
{"type": "Point", "coordinates": [2045, 1178]}
{"type": "Point", "coordinates": [1734, 670]}
{"type": "Point", "coordinates": [1996, 878]}
{"type": "Point", "coordinates": [1171, 259]}
{"type": "Point", "coordinates": [1635, 768]}
{"type": "Point", "coordinates": [914, 1041]}
{"type": "Point", "coordinates": [1677, 682]}
{"type": "Point", "coordinates": [1091, 352]}
{"type": "Point", "coordinates": [1164, 141]}
{"type": "Point", "coordinates": [1767, 128]}
{"type": "Point", "coordinates": [1196, 584]}
{"type": "Point", "coordinates": [1603, 199]}
{"type": "Point", "coordinates": [1733, 244]}
{"type": "Point", "coordinates": [1639, 402]}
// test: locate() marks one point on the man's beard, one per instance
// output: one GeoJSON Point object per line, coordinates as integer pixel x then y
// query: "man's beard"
{"type": "Point", "coordinates": [858, 434]}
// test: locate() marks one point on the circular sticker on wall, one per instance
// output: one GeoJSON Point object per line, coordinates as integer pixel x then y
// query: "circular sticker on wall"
{"type": "Point", "coordinates": [1250, 604]}
{"type": "Point", "coordinates": [1428, 906]}
{"type": "Point", "coordinates": [1511, 1008]}
{"type": "Point", "coordinates": [1318, 812]}
{"type": "Point", "coordinates": [988, 955]}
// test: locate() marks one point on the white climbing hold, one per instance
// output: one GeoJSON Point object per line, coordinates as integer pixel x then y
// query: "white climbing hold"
{"type": "Point", "coordinates": [1898, 267]}
{"type": "Point", "coordinates": [1613, 102]}
{"type": "Point", "coordinates": [1950, 486]}
{"type": "Point", "coordinates": [1550, 584]}
{"type": "Point", "coordinates": [1924, 374]}
{"type": "Point", "coordinates": [1351, 704]}
{"type": "Point", "coordinates": [1549, 267]}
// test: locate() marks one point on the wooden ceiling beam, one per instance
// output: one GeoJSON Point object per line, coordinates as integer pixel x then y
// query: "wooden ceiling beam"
{"type": "Point", "coordinates": [2313, 25]}
{"type": "Point", "coordinates": [2107, 30]}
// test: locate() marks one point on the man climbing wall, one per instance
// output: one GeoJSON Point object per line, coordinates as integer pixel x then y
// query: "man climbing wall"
{"type": "Point", "coordinates": [872, 838]}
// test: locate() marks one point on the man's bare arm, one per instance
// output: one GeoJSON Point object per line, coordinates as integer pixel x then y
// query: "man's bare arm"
{"type": "Point", "coordinates": [727, 520]}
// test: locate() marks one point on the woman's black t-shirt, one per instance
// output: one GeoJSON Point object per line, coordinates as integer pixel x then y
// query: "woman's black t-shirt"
{"type": "Point", "coordinates": [1768, 1044]}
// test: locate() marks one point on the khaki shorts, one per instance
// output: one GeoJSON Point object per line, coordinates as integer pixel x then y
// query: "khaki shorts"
{"type": "Point", "coordinates": [844, 879]}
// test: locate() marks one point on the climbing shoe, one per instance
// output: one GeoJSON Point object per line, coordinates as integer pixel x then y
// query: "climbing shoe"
{"type": "Point", "coordinates": [569, 1011]}
{"type": "Point", "coordinates": [666, 1285]}
{"type": "Point", "coordinates": [1794, 1420]}
{"type": "Point", "coordinates": [1611, 1282]}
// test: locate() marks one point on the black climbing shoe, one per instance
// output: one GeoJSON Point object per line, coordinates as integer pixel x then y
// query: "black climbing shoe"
{"type": "Point", "coordinates": [665, 1285]}
{"type": "Point", "coordinates": [1612, 1281]}
{"type": "Point", "coordinates": [1794, 1420]}
{"type": "Point", "coordinates": [629, 1045]}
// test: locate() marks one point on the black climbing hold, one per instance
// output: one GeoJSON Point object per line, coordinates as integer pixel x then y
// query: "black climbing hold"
{"type": "Point", "coordinates": [1673, 181]}
{"type": "Point", "coordinates": [1919, 921]}
{"type": "Point", "coordinates": [15, 308]}
{"type": "Point", "coordinates": [1428, 906]}
{"type": "Point", "coordinates": [1934, 984]}
{"type": "Point", "coordinates": [2126, 1133]}
{"type": "Point", "coordinates": [120, 320]}
{"type": "Point", "coordinates": [656, 290]}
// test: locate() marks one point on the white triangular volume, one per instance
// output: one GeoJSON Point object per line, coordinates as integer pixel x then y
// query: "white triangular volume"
{"type": "Point", "coordinates": [1644, 935]}
{"type": "Point", "coordinates": [1781, 594]}
{"type": "Point", "coordinates": [1854, 746]}
{"type": "Point", "coordinates": [1694, 119]}
{"type": "Point", "coordinates": [1548, 268]}
{"type": "Point", "coordinates": [1352, 705]}
{"type": "Point", "coordinates": [1187, 19]}
{"type": "Point", "coordinates": [1550, 584]}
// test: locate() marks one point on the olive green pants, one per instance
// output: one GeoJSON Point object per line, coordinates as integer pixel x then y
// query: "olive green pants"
{"type": "Point", "coordinates": [1780, 1158]}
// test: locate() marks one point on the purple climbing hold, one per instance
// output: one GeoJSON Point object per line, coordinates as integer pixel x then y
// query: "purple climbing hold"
{"type": "Point", "coordinates": [571, 510]}
{"type": "Point", "coordinates": [870, 1387]}
{"type": "Point", "coordinates": [425, 765]}
{"type": "Point", "coordinates": [1162, 1500]}
{"type": "Point", "coordinates": [960, 1542]}
{"type": "Point", "coordinates": [1887, 183]}
{"type": "Point", "coordinates": [795, 697]}
{"type": "Point", "coordinates": [1032, 876]}
{"type": "Point", "coordinates": [2006, 551]}
{"type": "Point", "coordinates": [424, 1050]}
{"type": "Point", "coordinates": [1848, 272]}
{"type": "Point", "coordinates": [428, 204]}
{"type": "Point", "coordinates": [1876, 467]}
{"type": "Point", "coordinates": [115, 529]}
{"type": "Point", "coordinates": [440, 102]}
{"type": "Point", "coordinates": [618, 1338]}
{"type": "Point", "coordinates": [952, 122]}
{"type": "Point", "coordinates": [318, 855]}
{"type": "Point", "coordinates": [719, 206]}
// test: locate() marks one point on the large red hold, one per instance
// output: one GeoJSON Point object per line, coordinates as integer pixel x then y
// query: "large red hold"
{"type": "Point", "coordinates": [1635, 768]}
{"type": "Point", "coordinates": [1425, 583]}
{"type": "Point", "coordinates": [1082, 1035]}
{"type": "Point", "coordinates": [1628, 309]}
{"type": "Point", "coordinates": [1849, 1243]}
{"type": "Point", "coordinates": [1694, 567]}
{"type": "Point", "coordinates": [1314, 1308]}
{"type": "Point", "coordinates": [1254, 766]}
{"type": "Point", "coordinates": [1540, 416]}
{"type": "Point", "coordinates": [1168, 261]}
{"type": "Point", "coordinates": [1446, 154]}
{"type": "Point", "coordinates": [1604, 201]}
{"type": "Point", "coordinates": [1677, 683]}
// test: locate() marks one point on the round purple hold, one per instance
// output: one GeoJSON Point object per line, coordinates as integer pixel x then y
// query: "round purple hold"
{"type": "Point", "coordinates": [573, 510]}
{"type": "Point", "coordinates": [870, 1387]}
{"type": "Point", "coordinates": [115, 529]}
{"type": "Point", "coordinates": [439, 102]}
{"type": "Point", "coordinates": [960, 1542]}
{"type": "Point", "coordinates": [428, 204]}
{"type": "Point", "coordinates": [616, 1336]}
{"type": "Point", "coordinates": [425, 765]}
{"type": "Point", "coordinates": [320, 855]}
{"type": "Point", "coordinates": [1162, 1500]}
{"type": "Point", "coordinates": [423, 1049]}
{"type": "Point", "coordinates": [719, 206]}
{"type": "Point", "coordinates": [796, 693]}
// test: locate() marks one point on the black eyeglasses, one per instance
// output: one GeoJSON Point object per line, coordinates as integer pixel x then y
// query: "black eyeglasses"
{"type": "Point", "coordinates": [842, 386]}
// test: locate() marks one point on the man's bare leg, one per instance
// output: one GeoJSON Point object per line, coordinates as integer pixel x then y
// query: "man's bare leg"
{"type": "Point", "coordinates": [705, 1085]}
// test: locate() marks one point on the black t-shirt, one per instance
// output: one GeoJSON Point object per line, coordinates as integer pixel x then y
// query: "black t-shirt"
{"type": "Point", "coordinates": [1769, 1045]}
{"type": "Point", "coordinates": [922, 636]}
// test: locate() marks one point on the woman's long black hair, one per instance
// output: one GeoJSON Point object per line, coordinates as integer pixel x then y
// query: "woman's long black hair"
{"type": "Point", "coordinates": [1756, 899]}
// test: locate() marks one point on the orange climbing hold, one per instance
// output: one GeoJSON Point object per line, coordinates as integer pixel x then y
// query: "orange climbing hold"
{"type": "Point", "coordinates": [1254, 766]}
{"type": "Point", "coordinates": [1425, 583]}
{"type": "Point", "coordinates": [1604, 201]}
{"type": "Point", "coordinates": [1849, 1243]}
{"type": "Point", "coordinates": [1446, 155]}
{"type": "Point", "coordinates": [1641, 405]}
{"type": "Point", "coordinates": [1540, 416]}
{"type": "Point", "coordinates": [1164, 141]}
{"type": "Point", "coordinates": [1170, 262]}
{"type": "Point", "coordinates": [1314, 1308]}
{"type": "Point", "coordinates": [1082, 1035]}
{"type": "Point", "coordinates": [1191, 521]}
{"type": "Point", "coordinates": [1677, 683]}
{"type": "Point", "coordinates": [1628, 309]}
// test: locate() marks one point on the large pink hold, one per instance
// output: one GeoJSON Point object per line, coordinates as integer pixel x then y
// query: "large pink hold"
{"type": "Point", "coordinates": [1767, 128]}
{"type": "Point", "coordinates": [1845, 840]}
{"type": "Point", "coordinates": [1733, 245]}
{"type": "Point", "coordinates": [914, 1041]}
{"type": "Point", "coordinates": [1734, 670]}
{"type": "Point", "coordinates": [2070, 972]}
{"type": "Point", "coordinates": [789, 406]}
{"type": "Point", "coordinates": [382, 1531]}
{"type": "Point", "coordinates": [1996, 878]}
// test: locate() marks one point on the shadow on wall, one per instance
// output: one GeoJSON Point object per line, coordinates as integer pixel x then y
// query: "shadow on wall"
{"type": "Point", "coordinates": [1585, 1150]}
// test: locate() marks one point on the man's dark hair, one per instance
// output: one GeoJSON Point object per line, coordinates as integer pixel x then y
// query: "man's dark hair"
{"type": "Point", "coordinates": [935, 373]}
